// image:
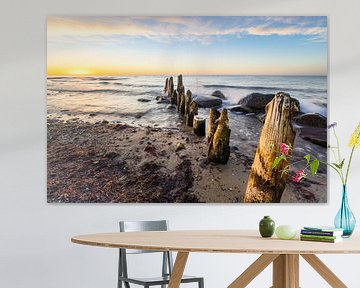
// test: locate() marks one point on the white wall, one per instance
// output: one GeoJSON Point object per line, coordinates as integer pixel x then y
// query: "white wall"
{"type": "Point", "coordinates": [35, 248]}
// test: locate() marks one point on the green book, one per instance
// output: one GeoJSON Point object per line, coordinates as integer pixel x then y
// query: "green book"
{"type": "Point", "coordinates": [319, 236]}
{"type": "Point", "coordinates": [325, 240]}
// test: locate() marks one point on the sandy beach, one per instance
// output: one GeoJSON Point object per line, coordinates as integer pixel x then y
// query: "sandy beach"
{"type": "Point", "coordinates": [114, 162]}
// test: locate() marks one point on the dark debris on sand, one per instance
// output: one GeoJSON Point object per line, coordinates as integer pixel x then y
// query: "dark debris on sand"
{"type": "Point", "coordinates": [105, 162]}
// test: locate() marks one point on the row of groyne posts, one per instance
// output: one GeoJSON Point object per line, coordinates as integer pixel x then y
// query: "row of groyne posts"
{"type": "Point", "coordinates": [218, 129]}
{"type": "Point", "coordinates": [265, 184]}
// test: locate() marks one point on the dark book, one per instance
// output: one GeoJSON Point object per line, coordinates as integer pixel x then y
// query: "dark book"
{"type": "Point", "coordinates": [321, 233]}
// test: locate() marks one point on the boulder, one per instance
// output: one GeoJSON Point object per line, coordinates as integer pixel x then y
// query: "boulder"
{"type": "Point", "coordinates": [218, 94]}
{"type": "Point", "coordinates": [207, 101]}
{"type": "Point", "coordinates": [311, 120]}
{"type": "Point", "coordinates": [256, 101]}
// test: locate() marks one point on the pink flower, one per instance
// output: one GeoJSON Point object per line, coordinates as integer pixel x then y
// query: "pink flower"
{"type": "Point", "coordinates": [299, 175]}
{"type": "Point", "coordinates": [284, 148]}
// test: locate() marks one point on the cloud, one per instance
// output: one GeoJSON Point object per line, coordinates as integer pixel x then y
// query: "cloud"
{"type": "Point", "coordinates": [204, 30]}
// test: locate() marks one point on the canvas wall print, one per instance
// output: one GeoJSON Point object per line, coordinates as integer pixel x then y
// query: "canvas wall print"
{"type": "Point", "coordinates": [186, 109]}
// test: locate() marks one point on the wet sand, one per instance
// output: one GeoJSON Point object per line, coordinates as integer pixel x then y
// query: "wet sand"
{"type": "Point", "coordinates": [113, 162]}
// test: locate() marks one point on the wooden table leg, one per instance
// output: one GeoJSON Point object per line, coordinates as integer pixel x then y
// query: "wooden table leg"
{"type": "Point", "coordinates": [253, 270]}
{"type": "Point", "coordinates": [324, 271]}
{"type": "Point", "coordinates": [286, 271]}
{"type": "Point", "coordinates": [178, 269]}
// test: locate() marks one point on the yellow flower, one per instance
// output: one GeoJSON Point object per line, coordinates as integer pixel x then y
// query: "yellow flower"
{"type": "Point", "coordinates": [355, 138]}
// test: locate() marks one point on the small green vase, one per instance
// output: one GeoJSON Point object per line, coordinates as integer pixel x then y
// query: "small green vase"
{"type": "Point", "coordinates": [267, 227]}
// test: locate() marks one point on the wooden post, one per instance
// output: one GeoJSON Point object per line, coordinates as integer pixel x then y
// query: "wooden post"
{"type": "Point", "coordinates": [181, 107]}
{"type": "Point", "coordinates": [166, 85]}
{"type": "Point", "coordinates": [219, 148]}
{"type": "Point", "coordinates": [199, 125]}
{"type": "Point", "coordinates": [213, 117]}
{"type": "Point", "coordinates": [266, 184]}
{"type": "Point", "coordinates": [193, 110]}
{"type": "Point", "coordinates": [173, 98]}
{"type": "Point", "coordinates": [170, 88]}
{"type": "Point", "coordinates": [187, 104]}
{"type": "Point", "coordinates": [178, 100]}
{"type": "Point", "coordinates": [180, 86]}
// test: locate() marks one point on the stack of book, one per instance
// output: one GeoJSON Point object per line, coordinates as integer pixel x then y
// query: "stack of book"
{"type": "Point", "coordinates": [321, 234]}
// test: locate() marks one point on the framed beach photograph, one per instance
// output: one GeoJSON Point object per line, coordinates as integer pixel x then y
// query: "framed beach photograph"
{"type": "Point", "coordinates": [200, 109]}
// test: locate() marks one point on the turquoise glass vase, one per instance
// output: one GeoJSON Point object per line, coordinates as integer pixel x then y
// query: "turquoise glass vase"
{"type": "Point", "coordinates": [345, 219]}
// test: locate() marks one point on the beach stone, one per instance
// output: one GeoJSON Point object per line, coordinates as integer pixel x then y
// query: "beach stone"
{"type": "Point", "coordinates": [315, 135]}
{"type": "Point", "coordinates": [179, 146]}
{"type": "Point", "coordinates": [218, 94]}
{"type": "Point", "coordinates": [171, 106]}
{"type": "Point", "coordinates": [143, 100]}
{"type": "Point", "coordinates": [256, 101]}
{"type": "Point", "coordinates": [207, 101]}
{"type": "Point", "coordinates": [312, 120]}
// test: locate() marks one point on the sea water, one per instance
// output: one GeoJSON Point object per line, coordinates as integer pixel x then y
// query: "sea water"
{"type": "Point", "coordinates": [115, 98]}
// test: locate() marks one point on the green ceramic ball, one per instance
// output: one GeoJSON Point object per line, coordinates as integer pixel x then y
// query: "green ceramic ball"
{"type": "Point", "coordinates": [285, 232]}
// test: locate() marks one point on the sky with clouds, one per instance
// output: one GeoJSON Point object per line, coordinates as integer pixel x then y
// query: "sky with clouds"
{"type": "Point", "coordinates": [189, 45]}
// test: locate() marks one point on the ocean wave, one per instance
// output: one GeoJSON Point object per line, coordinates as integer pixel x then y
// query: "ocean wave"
{"type": "Point", "coordinates": [307, 90]}
{"type": "Point", "coordinates": [138, 85]}
{"type": "Point", "coordinates": [110, 78]}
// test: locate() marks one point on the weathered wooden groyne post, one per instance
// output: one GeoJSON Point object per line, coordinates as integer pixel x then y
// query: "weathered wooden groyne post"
{"type": "Point", "coordinates": [193, 111]}
{"type": "Point", "coordinates": [214, 115]}
{"type": "Point", "coordinates": [173, 98]}
{"type": "Point", "coordinates": [219, 144]}
{"type": "Point", "coordinates": [265, 184]}
{"type": "Point", "coordinates": [170, 90]}
{"type": "Point", "coordinates": [188, 98]}
{"type": "Point", "coordinates": [166, 85]}
{"type": "Point", "coordinates": [181, 107]}
{"type": "Point", "coordinates": [199, 125]}
{"type": "Point", "coordinates": [180, 86]}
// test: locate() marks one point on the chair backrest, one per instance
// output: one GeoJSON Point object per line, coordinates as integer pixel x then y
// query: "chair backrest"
{"type": "Point", "coordinates": [137, 226]}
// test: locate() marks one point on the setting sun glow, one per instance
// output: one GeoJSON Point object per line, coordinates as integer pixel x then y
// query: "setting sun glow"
{"type": "Point", "coordinates": [190, 45]}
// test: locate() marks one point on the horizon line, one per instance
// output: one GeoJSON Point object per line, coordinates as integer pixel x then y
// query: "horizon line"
{"type": "Point", "coordinates": [183, 74]}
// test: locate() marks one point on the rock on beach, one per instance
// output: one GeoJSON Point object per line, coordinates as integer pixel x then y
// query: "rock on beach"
{"type": "Point", "coordinates": [207, 101]}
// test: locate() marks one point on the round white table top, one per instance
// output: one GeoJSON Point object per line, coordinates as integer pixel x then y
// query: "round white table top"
{"type": "Point", "coordinates": [220, 241]}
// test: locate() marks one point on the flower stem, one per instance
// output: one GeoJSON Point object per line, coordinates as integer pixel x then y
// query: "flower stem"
{"type": "Point", "coordinates": [350, 159]}
{"type": "Point", "coordinates": [336, 169]}
{"type": "Point", "coordinates": [348, 167]}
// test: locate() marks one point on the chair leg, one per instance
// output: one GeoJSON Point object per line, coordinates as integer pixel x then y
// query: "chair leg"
{"type": "Point", "coordinates": [201, 283]}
